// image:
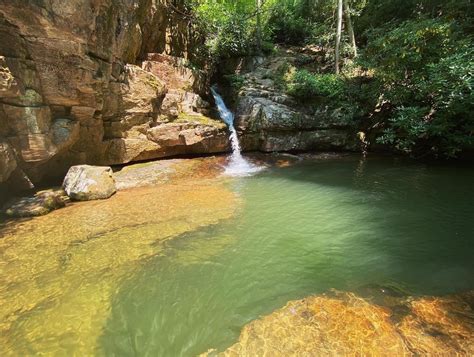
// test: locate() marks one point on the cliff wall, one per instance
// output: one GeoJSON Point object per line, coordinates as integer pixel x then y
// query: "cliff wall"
{"type": "Point", "coordinates": [85, 81]}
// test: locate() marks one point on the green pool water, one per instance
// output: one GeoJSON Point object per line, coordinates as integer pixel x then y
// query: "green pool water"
{"type": "Point", "coordinates": [302, 229]}
{"type": "Point", "coordinates": [318, 224]}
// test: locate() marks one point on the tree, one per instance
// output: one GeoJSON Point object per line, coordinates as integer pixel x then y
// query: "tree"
{"type": "Point", "coordinates": [338, 33]}
{"type": "Point", "coordinates": [350, 29]}
{"type": "Point", "coordinates": [259, 27]}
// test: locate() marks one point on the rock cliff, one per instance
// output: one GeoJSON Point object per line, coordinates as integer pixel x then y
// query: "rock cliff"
{"type": "Point", "coordinates": [97, 82]}
{"type": "Point", "coordinates": [268, 119]}
{"type": "Point", "coordinates": [108, 82]}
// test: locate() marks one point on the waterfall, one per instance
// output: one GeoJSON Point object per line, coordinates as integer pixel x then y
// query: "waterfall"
{"type": "Point", "coordinates": [238, 165]}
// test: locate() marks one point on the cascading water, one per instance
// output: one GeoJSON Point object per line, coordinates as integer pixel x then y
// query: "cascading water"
{"type": "Point", "coordinates": [238, 165]}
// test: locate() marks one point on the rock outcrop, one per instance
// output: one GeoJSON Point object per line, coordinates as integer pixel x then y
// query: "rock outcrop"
{"type": "Point", "coordinates": [107, 82]}
{"type": "Point", "coordinates": [343, 324]}
{"type": "Point", "coordinates": [83, 81]}
{"type": "Point", "coordinates": [85, 183]}
{"type": "Point", "coordinates": [269, 120]}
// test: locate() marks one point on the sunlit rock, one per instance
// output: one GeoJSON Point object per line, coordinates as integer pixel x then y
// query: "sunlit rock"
{"type": "Point", "coordinates": [74, 61]}
{"type": "Point", "coordinates": [85, 182]}
{"type": "Point", "coordinates": [340, 323]}
{"type": "Point", "coordinates": [64, 269]}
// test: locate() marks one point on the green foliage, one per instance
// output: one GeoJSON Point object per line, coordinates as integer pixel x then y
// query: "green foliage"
{"type": "Point", "coordinates": [236, 81]}
{"type": "Point", "coordinates": [376, 14]}
{"type": "Point", "coordinates": [268, 47]}
{"type": "Point", "coordinates": [399, 52]}
{"type": "Point", "coordinates": [225, 30]}
{"type": "Point", "coordinates": [287, 26]}
{"type": "Point", "coordinates": [305, 85]}
{"type": "Point", "coordinates": [230, 26]}
{"type": "Point", "coordinates": [426, 72]}
{"type": "Point", "coordinates": [406, 121]}
{"type": "Point", "coordinates": [412, 80]}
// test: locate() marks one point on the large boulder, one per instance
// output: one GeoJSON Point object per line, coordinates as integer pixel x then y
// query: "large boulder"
{"type": "Point", "coordinates": [85, 182]}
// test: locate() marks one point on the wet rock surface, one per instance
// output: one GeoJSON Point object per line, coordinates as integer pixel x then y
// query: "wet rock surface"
{"type": "Point", "coordinates": [342, 323]}
{"type": "Point", "coordinates": [166, 171]}
{"type": "Point", "coordinates": [71, 263]}
{"type": "Point", "coordinates": [85, 182]}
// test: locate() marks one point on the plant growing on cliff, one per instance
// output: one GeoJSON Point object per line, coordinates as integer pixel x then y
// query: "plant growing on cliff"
{"type": "Point", "coordinates": [236, 81]}
{"type": "Point", "coordinates": [305, 85]}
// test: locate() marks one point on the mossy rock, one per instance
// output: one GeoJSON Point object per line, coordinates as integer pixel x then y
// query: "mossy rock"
{"type": "Point", "coordinates": [200, 119]}
{"type": "Point", "coordinates": [40, 204]}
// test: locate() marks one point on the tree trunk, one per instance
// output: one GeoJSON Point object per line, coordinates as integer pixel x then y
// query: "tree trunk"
{"type": "Point", "coordinates": [350, 29]}
{"type": "Point", "coordinates": [259, 27]}
{"type": "Point", "coordinates": [338, 33]}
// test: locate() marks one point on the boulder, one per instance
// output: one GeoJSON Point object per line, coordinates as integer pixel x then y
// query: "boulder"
{"type": "Point", "coordinates": [85, 182]}
{"type": "Point", "coordinates": [40, 204]}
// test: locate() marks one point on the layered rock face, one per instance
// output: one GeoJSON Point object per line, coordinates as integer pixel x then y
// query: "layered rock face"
{"type": "Point", "coordinates": [270, 120]}
{"type": "Point", "coordinates": [77, 86]}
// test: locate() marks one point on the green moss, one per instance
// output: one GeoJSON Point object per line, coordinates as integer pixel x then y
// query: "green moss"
{"type": "Point", "coordinates": [153, 82]}
{"type": "Point", "coordinates": [201, 119]}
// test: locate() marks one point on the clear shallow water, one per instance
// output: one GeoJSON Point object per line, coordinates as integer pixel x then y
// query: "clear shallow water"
{"type": "Point", "coordinates": [319, 224]}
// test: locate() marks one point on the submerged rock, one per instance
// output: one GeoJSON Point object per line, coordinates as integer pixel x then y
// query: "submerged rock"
{"type": "Point", "coordinates": [346, 324]}
{"type": "Point", "coordinates": [58, 262]}
{"type": "Point", "coordinates": [85, 182]}
{"type": "Point", "coordinates": [163, 171]}
{"type": "Point", "coordinates": [40, 204]}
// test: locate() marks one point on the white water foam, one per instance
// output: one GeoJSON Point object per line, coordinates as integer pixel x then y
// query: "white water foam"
{"type": "Point", "coordinates": [237, 165]}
